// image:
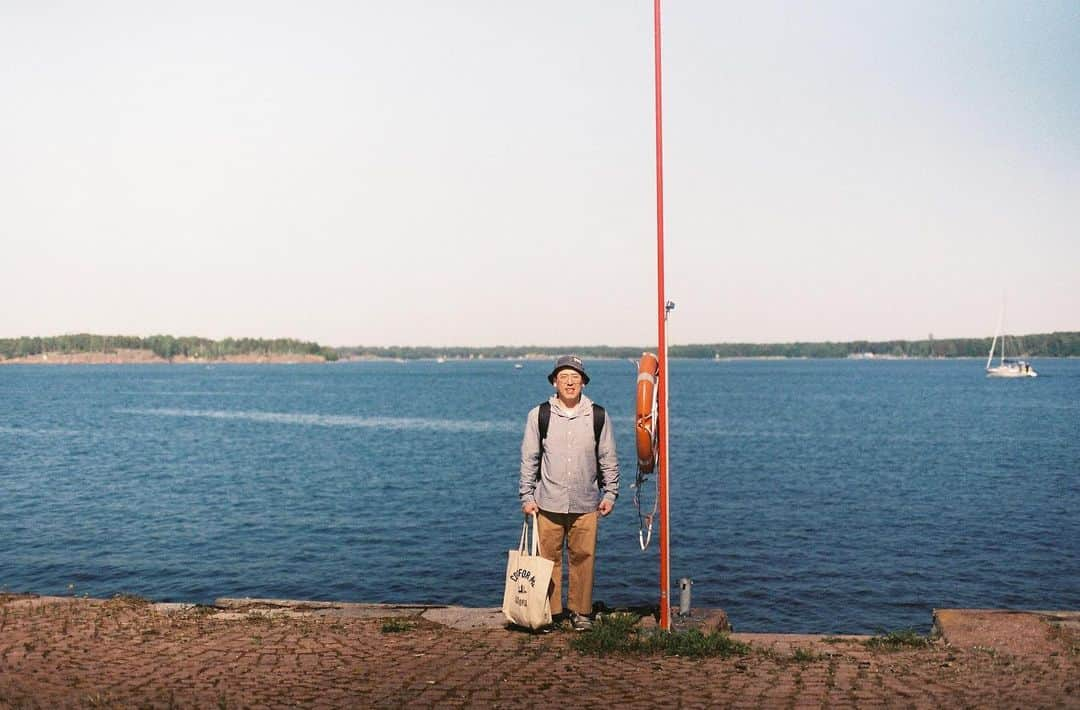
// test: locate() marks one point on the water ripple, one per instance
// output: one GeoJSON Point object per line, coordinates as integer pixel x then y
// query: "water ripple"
{"type": "Point", "coordinates": [331, 420]}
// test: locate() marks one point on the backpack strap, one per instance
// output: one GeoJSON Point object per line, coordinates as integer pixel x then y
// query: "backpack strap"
{"type": "Point", "coordinates": [598, 414]}
{"type": "Point", "coordinates": [544, 420]}
{"type": "Point", "coordinates": [598, 427]}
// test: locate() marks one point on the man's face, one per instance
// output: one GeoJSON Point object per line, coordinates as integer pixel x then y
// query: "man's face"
{"type": "Point", "coordinates": [568, 384]}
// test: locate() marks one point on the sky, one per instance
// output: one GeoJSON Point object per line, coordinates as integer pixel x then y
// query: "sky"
{"type": "Point", "coordinates": [483, 172]}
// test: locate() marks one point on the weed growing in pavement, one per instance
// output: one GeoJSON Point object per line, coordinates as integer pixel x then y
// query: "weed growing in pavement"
{"type": "Point", "coordinates": [898, 641]}
{"type": "Point", "coordinates": [100, 700]}
{"type": "Point", "coordinates": [770, 653]}
{"type": "Point", "coordinates": [123, 600]}
{"type": "Point", "coordinates": [197, 611]}
{"type": "Point", "coordinates": [535, 652]}
{"type": "Point", "coordinates": [258, 618]}
{"type": "Point", "coordinates": [619, 634]}
{"type": "Point", "coordinates": [830, 675]}
{"type": "Point", "coordinates": [805, 655]}
{"type": "Point", "coordinates": [612, 633]}
{"type": "Point", "coordinates": [397, 626]}
{"type": "Point", "coordinates": [695, 644]}
{"type": "Point", "coordinates": [1070, 639]}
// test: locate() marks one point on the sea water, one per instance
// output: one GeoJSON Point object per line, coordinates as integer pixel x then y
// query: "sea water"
{"type": "Point", "coordinates": [806, 496]}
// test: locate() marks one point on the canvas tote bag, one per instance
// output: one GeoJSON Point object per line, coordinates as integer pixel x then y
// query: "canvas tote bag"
{"type": "Point", "coordinates": [528, 575]}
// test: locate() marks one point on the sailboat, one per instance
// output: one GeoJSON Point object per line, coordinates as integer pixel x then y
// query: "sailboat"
{"type": "Point", "coordinates": [1006, 367]}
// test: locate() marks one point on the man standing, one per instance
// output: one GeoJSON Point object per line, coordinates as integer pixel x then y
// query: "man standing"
{"type": "Point", "coordinates": [569, 476]}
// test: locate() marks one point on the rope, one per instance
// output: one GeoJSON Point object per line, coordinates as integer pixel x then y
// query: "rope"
{"type": "Point", "coordinates": [645, 520]}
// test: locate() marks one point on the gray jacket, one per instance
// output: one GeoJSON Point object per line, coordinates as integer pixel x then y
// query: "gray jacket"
{"type": "Point", "coordinates": [567, 481]}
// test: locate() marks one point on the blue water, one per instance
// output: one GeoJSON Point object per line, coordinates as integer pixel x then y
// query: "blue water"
{"type": "Point", "coordinates": [815, 496]}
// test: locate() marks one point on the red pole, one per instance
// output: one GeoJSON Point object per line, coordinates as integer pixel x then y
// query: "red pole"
{"type": "Point", "coordinates": [661, 324]}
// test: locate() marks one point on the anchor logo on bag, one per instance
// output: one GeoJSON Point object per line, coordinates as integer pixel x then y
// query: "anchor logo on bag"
{"type": "Point", "coordinates": [523, 574]}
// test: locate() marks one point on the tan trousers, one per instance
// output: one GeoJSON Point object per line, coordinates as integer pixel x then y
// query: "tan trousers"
{"type": "Point", "coordinates": [578, 531]}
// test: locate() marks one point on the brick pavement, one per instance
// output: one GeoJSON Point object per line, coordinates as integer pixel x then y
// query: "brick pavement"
{"type": "Point", "coordinates": [127, 653]}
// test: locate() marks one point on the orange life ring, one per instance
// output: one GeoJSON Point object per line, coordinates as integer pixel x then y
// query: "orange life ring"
{"type": "Point", "coordinates": [648, 376]}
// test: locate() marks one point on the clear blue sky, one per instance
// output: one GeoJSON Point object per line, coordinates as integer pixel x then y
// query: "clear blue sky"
{"type": "Point", "coordinates": [482, 172]}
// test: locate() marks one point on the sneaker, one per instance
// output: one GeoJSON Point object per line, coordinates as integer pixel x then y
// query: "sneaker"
{"type": "Point", "coordinates": [580, 622]}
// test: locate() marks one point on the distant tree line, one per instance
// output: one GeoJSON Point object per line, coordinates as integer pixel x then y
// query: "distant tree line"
{"type": "Point", "coordinates": [1065, 344]}
{"type": "Point", "coordinates": [427, 352]}
{"type": "Point", "coordinates": [1040, 345]}
{"type": "Point", "coordinates": [166, 346]}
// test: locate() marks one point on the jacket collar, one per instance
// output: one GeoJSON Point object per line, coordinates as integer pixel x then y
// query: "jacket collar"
{"type": "Point", "coordinates": [583, 407]}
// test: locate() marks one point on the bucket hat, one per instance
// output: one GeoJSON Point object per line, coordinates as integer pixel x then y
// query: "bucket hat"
{"type": "Point", "coordinates": [572, 362]}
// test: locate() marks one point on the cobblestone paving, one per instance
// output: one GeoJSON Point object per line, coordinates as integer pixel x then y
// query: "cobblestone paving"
{"type": "Point", "coordinates": [123, 653]}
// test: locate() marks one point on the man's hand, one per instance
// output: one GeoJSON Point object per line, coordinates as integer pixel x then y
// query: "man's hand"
{"type": "Point", "coordinates": [605, 507]}
{"type": "Point", "coordinates": [530, 508]}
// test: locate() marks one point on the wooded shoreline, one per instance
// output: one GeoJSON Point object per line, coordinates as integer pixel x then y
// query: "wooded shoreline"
{"type": "Point", "coordinates": [111, 349]}
{"type": "Point", "coordinates": [148, 357]}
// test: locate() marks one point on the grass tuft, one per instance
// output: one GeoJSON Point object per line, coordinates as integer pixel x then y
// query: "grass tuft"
{"type": "Point", "coordinates": [1068, 638]}
{"type": "Point", "coordinates": [397, 626]}
{"type": "Point", "coordinates": [805, 655]}
{"type": "Point", "coordinates": [618, 634]}
{"type": "Point", "coordinates": [612, 633]}
{"type": "Point", "coordinates": [128, 600]}
{"type": "Point", "coordinates": [898, 641]}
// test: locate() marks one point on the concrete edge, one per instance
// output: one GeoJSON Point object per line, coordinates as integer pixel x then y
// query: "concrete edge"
{"type": "Point", "coordinates": [466, 618]}
{"type": "Point", "coordinates": [944, 618]}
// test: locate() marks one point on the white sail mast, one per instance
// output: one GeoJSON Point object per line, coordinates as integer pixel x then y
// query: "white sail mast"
{"type": "Point", "coordinates": [1001, 320]}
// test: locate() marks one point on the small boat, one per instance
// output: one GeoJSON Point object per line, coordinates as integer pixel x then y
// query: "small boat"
{"type": "Point", "coordinates": [1007, 366]}
{"type": "Point", "coordinates": [1012, 367]}
{"type": "Point", "coordinates": [518, 366]}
